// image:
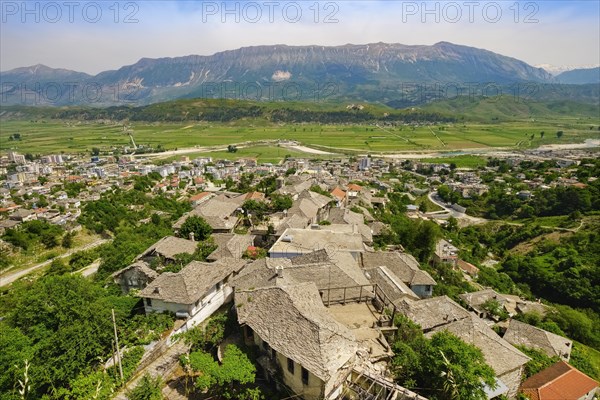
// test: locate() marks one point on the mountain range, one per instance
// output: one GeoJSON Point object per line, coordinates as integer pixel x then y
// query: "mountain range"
{"type": "Point", "coordinates": [394, 74]}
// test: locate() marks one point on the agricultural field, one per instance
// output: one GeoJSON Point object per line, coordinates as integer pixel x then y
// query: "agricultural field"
{"type": "Point", "coordinates": [52, 136]}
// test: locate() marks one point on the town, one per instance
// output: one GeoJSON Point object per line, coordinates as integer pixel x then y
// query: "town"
{"type": "Point", "coordinates": [350, 277]}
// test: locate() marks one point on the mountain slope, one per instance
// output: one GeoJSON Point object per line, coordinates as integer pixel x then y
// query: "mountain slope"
{"type": "Point", "coordinates": [282, 72]}
{"type": "Point", "coordinates": [580, 76]}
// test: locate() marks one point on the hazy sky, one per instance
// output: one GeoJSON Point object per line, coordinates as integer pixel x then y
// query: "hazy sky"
{"type": "Point", "coordinates": [93, 36]}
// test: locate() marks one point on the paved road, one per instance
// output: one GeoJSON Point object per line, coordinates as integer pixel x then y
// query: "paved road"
{"type": "Point", "coordinates": [8, 278]}
{"type": "Point", "coordinates": [434, 198]}
{"type": "Point", "coordinates": [470, 220]}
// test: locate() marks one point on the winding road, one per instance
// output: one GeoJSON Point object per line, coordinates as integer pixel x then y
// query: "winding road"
{"type": "Point", "coordinates": [8, 278]}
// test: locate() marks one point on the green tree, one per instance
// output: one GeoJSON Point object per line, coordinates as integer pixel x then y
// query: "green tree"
{"type": "Point", "coordinates": [197, 225]}
{"type": "Point", "coordinates": [67, 320]}
{"type": "Point", "coordinates": [456, 368]}
{"type": "Point", "coordinates": [147, 389]}
{"type": "Point", "coordinates": [539, 361]}
{"type": "Point", "coordinates": [281, 202]}
{"type": "Point", "coordinates": [230, 380]}
{"type": "Point", "coordinates": [67, 240]}
{"type": "Point", "coordinates": [57, 267]}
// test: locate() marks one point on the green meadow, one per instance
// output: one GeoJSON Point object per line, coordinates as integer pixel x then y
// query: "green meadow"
{"type": "Point", "coordinates": [51, 136]}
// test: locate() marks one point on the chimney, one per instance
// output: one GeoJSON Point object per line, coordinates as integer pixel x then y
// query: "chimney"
{"type": "Point", "coordinates": [279, 271]}
{"type": "Point", "coordinates": [192, 236]}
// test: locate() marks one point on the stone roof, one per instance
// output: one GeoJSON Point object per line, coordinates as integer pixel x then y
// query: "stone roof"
{"type": "Point", "coordinates": [559, 381]}
{"type": "Point", "coordinates": [433, 312]}
{"type": "Point", "coordinates": [192, 282]}
{"type": "Point", "coordinates": [230, 245]}
{"type": "Point", "coordinates": [217, 211]}
{"type": "Point", "coordinates": [323, 268]}
{"type": "Point", "coordinates": [363, 229]}
{"type": "Point", "coordinates": [293, 221]}
{"type": "Point", "coordinates": [476, 299]}
{"type": "Point", "coordinates": [403, 265]}
{"type": "Point", "coordinates": [169, 246]}
{"type": "Point", "coordinates": [345, 216]}
{"type": "Point", "coordinates": [390, 284]}
{"type": "Point", "coordinates": [522, 334]}
{"type": "Point", "coordinates": [295, 185]}
{"type": "Point", "coordinates": [292, 319]}
{"type": "Point", "coordinates": [498, 353]}
{"type": "Point", "coordinates": [309, 240]}
{"type": "Point", "coordinates": [141, 266]}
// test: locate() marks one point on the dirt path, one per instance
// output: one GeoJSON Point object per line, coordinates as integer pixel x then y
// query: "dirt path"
{"type": "Point", "coordinates": [163, 366]}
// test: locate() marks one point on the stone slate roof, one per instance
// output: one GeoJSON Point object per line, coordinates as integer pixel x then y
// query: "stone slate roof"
{"type": "Point", "coordinates": [345, 216]}
{"type": "Point", "coordinates": [217, 211]}
{"type": "Point", "coordinates": [192, 282]}
{"type": "Point", "coordinates": [403, 265]}
{"type": "Point", "coordinates": [169, 246]}
{"type": "Point", "coordinates": [292, 319]}
{"type": "Point", "coordinates": [293, 221]}
{"type": "Point", "coordinates": [476, 299]}
{"type": "Point", "coordinates": [323, 268]}
{"type": "Point", "coordinates": [522, 334]}
{"type": "Point", "coordinates": [230, 245]}
{"type": "Point", "coordinates": [498, 353]}
{"type": "Point", "coordinates": [141, 266]}
{"type": "Point", "coordinates": [433, 312]}
{"type": "Point", "coordinates": [559, 381]}
{"type": "Point", "coordinates": [390, 284]}
{"type": "Point", "coordinates": [309, 240]}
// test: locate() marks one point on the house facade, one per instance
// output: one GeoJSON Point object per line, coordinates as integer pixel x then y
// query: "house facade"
{"type": "Point", "coordinates": [195, 292]}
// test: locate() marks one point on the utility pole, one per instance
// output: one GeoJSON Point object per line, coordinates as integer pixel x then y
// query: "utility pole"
{"type": "Point", "coordinates": [118, 348]}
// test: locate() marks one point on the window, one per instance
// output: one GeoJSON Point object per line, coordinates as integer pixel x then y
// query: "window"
{"type": "Point", "coordinates": [149, 302]}
{"type": "Point", "coordinates": [290, 366]}
{"type": "Point", "coordinates": [304, 376]}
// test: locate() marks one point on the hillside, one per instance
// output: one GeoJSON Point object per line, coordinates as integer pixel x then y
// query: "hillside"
{"type": "Point", "coordinates": [580, 76]}
{"type": "Point", "coordinates": [375, 72]}
{"type": "Point", "coordinates": [507, 108]}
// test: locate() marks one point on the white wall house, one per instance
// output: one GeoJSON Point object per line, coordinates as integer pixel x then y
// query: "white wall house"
{"type": "Point", "coordinates": [195, 292]}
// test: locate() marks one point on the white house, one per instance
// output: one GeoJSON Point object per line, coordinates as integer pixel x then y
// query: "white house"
{"type": "Point", "coordinates": [195, 292]}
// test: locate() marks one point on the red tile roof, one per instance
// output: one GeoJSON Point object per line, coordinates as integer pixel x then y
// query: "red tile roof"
{"type": "Point", "coordinates": [199, 196]}
{"type": "Point", "coordinates": [254, 196]}
{"type": "Point", "coordinates": [354, 187]}
{"type": "Point", "coordinates": [560, 381]}
{"type": "Point", "coordinates": [339, 193]}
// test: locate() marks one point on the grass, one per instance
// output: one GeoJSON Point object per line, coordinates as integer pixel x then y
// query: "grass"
{"type": "Point", "coordinates": [431, 206]}
{"type": "Point", "coordinates": [53, 136]}
{"type": "Point", "coordinates": [560, 221]}
{"type": "Point", "coordinates": [461, 161]}
{"type": "Point", "coordinates": [38, 253]}
{"type": "Point", "coordinates": [590, 354]}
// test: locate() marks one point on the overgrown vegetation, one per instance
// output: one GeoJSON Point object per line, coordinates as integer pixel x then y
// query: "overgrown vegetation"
{"type": "Point", "coordinates": [442, 367]}
{"type": "Point", "coordinates": [61, 326]}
